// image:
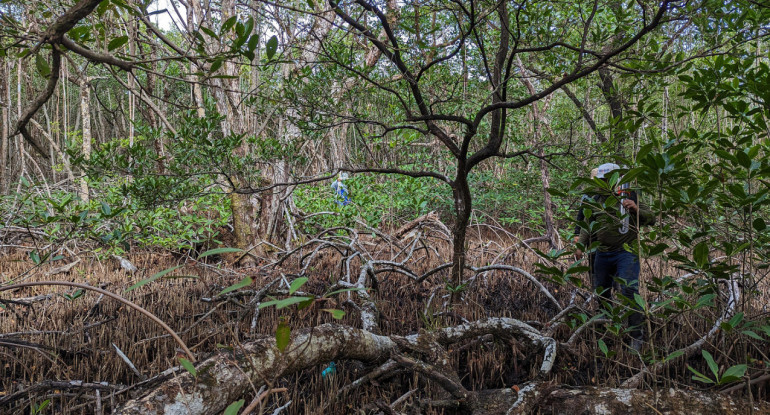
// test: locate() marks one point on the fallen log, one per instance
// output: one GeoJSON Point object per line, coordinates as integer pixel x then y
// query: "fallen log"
{"type": "Point", "coordinates": [228, 375]}
{"type": "Point", "coordinates": [564, 401]}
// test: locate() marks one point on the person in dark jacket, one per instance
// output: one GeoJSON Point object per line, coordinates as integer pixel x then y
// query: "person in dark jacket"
{"type": "Point", "coordinates": [616, 226]}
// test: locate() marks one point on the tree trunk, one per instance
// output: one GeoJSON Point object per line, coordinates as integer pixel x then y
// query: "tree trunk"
{"type": "Point", "coordinates": [227, 376]}
{"type": "Point", "coordinates": [19, 141]}
{"type": "Point", "coordinates": [463, 204]}
{"type": "Point", "coordinates": [5, 98]}
{"type": "Point", "coordinates": [632, 401]}
{"type": "Point", "coordinates": [85, 115]}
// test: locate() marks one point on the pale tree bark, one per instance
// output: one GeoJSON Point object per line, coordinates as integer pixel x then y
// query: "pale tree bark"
{"type": "Point", "coordinates": [227, 376]}
{"type": "Point", "coordinates": [85, 115]}
{"type": "Point", "coordinates": [56, 149]}
{"type": "Point", "coordinates": [228, 96]}
{"type": "Point", "coordinates": [132, 38]}
{"type": "Point", "coordinates": [337, 136]}
{"type": "Point", "coordinates": [537, 114]}
{"type": "Point", "coordinates": [281, 204]}
{"type": "Point", "coordinates": [197, 92]}
{"type": "Point", "coordinates": [5, 98]}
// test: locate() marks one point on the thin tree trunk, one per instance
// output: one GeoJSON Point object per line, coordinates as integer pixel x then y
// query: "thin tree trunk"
{"type": "Point", "coordinates": [463, 207]}
{"type": "Point", "coordinates": [537, 114]}
{"type": "Point", "coordinates": [5, 95]}
{"type": "Point", "coordinates": [19, 141]}
{"type": "Point", "coordinates": [85, 115]}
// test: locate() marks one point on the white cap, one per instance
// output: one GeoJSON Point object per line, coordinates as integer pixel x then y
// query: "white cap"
{"type": "Point", "coordinates": [606, 168]}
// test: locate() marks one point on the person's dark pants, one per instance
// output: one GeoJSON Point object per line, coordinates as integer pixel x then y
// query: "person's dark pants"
{"type": "Point", "coordinates": [623, 265]}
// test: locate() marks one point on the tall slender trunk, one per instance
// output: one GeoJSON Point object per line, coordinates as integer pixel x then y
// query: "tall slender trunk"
{"type": "Point", "coordinates": [19, 141]}
{"type": "Point", "coordinates": [537, 115]}
{"type": "Point", "coordinates": [132, 31]}
{"type": "Point", "coordinates": [545, 179]}
{"type": "Point", "coordinates": [85, 115]}
{"type": "Point", "coordinates": [197, 92]}
{"type": "Point", "coordinates": [5, 96]}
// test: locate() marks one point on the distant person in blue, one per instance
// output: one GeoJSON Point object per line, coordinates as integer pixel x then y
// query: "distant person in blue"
{"type": "Point", "coordinates": [340, 190]}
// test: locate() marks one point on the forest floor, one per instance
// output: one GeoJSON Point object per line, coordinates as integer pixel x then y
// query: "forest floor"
{"type": "Point", "coordinates": [63, 334]}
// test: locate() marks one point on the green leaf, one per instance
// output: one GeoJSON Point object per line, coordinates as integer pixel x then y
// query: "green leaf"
{"type": "Point", "coordinates": [701, 254]}
{"type": "Point", "coordinates": [42, 66]}
{"type": "Point", "coordinates": [733, 373]}
{"type": "Point", "coordinates": [700, 377]}
{"type": "Point", "coordinates": [711, 362]}
{"type": "Point", "coordinates": [279, 304]}
{"type": "Point", "coordinates": [216, 65]}
{"type": "Point", "coordinates": [35, 257]}
{"type": "Point", "coordinates": [252, 43]}
{"type": "Point", "coordinates": [209, 32]}
{"type": "Point", "coordinates": [106, 210]}
{"type": "Point", "coordinates": [640, 301]}
{"type": "Point", "coordinates": [282, 336]}
{"type": "Point", "coordinates": [242, 283]}
{"type": "Point", "coordinates": [188, 366]}
{"type": "Point", "coordinates": [752, 334]}
{"type": "Point", "coordinates": [603, 347]}
{"type": "Point", "coordinates": [234, 407]}
{"type": "Point", "coordinates": [759, 224]}
{"type": "Point", "coordinates": [297, 284]}
{"type": "Point", "coordinates": [153, 278]}
{"type": "Point", "coordinates": [117, 42]}
{"type": "Point", "coordinates": [272, 46]}
{"type": "Point", "coordinates": [737, 318]}
{"type": "Point", "coordinates": [343, 291]}
{"type": "Point", "coordinates": [229, 23]}
{"type": "Point", "coordinates": [674, 355]}
{"type": "Point", "coordinates": [217, 251]}
{"type": "Point", "coordinates": [337, 314]}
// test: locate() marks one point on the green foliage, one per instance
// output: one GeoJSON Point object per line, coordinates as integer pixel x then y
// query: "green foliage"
{"type": "Point", "coordinates": [377, 200]}
{"type": "Point", "coordinates": [188, 366]}
{"type": "Point", "coordinates": [39, 408]}
{"type": "Point", "coordinates": [234, 407]}
{"type": "Point", "coordinates": [237, 286]}
{"type": "Point", "coordinates": [731, 374]}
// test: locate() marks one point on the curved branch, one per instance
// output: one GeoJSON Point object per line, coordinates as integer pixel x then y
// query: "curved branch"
{"type": "Point", "coordinates": [21, 125]}
{"type": "Point", "coordinates": [484, 152]}
{"type": "Point", "coordinates": [95, 56]}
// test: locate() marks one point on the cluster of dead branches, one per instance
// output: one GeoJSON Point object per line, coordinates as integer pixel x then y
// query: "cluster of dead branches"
{"type": "Point", "coordinates": [361, 260]}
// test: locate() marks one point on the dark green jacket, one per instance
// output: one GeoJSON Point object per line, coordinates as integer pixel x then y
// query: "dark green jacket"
{"type": "Point", "coordinates": [608, 223]}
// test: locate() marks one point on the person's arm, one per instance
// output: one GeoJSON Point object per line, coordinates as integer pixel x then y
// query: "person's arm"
{"type": "Point", "coordinates": [646, 217]}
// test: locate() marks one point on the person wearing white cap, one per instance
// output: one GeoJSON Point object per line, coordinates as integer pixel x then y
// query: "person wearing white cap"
{"type": "Point", "coordinates": [616, 226]}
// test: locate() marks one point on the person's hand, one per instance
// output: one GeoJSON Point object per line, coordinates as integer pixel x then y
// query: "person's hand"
{"type": "Point", "coordinates": [630, 205]}
{"type": "Point", "coordinates": [578, 254]}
